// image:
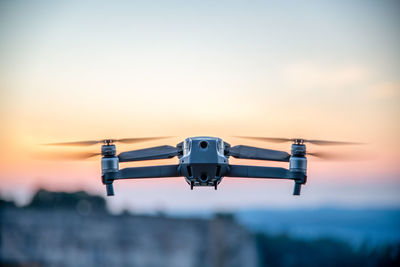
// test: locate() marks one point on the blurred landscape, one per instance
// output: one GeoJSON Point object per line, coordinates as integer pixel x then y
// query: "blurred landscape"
{"type": "Point", "coordinates": [76, 229]}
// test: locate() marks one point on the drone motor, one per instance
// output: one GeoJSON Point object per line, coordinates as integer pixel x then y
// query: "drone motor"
{"type": "Point", "coordinates": [109, 166]}
{"type": "Point", "coordinates": [298, 164]}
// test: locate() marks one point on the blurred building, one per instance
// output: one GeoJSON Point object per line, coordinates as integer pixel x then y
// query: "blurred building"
{"type": "Point", "coordinates": [59, 229]}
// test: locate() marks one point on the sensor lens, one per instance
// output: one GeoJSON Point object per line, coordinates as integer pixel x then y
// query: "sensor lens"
{"type": "Point", "coordinates": [203, 177]}
{"type": "Point", "coordinates": [203, 144]}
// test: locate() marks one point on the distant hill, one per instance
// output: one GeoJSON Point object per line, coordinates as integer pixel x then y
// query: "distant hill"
{"type": "Point", "coordinates": [357, 226]}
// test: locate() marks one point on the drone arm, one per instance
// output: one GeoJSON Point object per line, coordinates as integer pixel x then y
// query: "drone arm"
{"type": "Point", "coordinates": [249, 152]}
{"type": "Point", "coordinates": [158, 152]}
{"type": "Point", "coordinates": [148, 172]}
{"type": "Point", "coordinates": [243, 171]}
{"type": "Point", "coordinates": [137, 173]}
{"type": "Point", "coordinates": [258, 172]}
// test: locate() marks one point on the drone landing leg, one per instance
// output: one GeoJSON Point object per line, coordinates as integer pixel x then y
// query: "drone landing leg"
{"type": "Point", "coordinates": [297, 189]}
{"type": "Point", "coordinates": [109, 189]}
{"type": "Point", "coordinates": [191, 185]}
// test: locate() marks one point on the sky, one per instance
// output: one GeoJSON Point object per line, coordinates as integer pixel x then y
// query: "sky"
{"type": "Point", "coordinates": [73, 70]}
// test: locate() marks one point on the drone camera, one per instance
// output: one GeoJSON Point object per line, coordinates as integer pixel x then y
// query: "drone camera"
{"type": "Point", "coordinates": [203, 177]}
{"type": "Point", "coordinates": [203, 144]}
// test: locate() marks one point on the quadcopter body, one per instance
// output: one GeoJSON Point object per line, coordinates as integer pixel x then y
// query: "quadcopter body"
{"type": "Point", "coordinates": [204, 161]}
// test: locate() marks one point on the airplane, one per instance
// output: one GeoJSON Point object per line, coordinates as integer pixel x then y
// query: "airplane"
{"type": "Point", "coordinates": [203, 160]}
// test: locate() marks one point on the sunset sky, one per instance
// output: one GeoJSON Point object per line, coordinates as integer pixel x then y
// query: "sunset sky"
{"type": "Point", "coordinates": [313, 69]}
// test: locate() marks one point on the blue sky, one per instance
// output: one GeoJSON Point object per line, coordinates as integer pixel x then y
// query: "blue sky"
{"type": "Point", "coordinates": [317, 69]}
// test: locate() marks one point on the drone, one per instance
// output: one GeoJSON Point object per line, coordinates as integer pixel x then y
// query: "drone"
{"type": "Point", "coordinates": [204, 161]}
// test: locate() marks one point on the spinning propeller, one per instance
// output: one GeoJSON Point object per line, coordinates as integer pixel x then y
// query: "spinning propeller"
{"type": "Point", "coordinates": [267, 154]}
{"type": "Point", "coordinates": [79, 155]}
{"type": "Point", "coordinates": [166, 151]}
{"type": "Point", "coordinates": [108, 141]}
{"type": "Point", "coordinates": [299, 141]}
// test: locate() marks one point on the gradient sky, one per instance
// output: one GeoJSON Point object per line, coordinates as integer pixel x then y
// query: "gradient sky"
{"type": "Point", "coordinates": [315, 69]}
